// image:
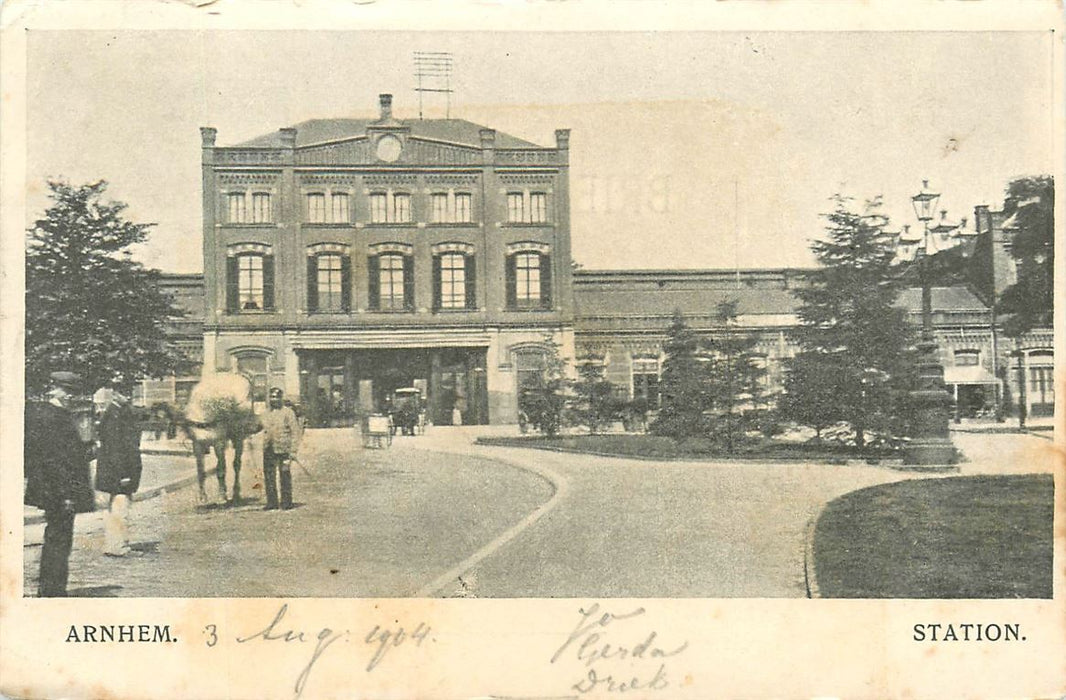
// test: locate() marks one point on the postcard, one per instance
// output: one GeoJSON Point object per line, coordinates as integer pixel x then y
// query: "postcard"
{"type": "Point", "coordinates": [544, 350]}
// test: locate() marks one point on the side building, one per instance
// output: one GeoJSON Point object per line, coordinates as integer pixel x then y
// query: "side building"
{"type": "Point", "coordinates": [348, 258]}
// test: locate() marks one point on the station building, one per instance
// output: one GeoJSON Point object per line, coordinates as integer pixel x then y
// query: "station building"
{"type": "Point", "coordinates": [347, 258]}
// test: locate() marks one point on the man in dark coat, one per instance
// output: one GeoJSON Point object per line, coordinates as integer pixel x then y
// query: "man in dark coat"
{"type": "Point", "coordinates": [118, 467]}
{"type": "Point", "coordinates": [56, 459]}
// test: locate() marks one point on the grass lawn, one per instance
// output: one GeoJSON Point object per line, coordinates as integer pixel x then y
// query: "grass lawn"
{"type": "Point", "coordinates": [961, 537]}
{"type": "Point", "coordinates": [642, 446]}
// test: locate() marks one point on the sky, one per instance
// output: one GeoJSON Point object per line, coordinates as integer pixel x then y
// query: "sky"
{"type": "Point", "coordinates": [688, 150]}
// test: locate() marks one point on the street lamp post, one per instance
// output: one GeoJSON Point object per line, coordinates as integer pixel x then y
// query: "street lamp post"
{"type": "Point", "coordinates": [930, 443]}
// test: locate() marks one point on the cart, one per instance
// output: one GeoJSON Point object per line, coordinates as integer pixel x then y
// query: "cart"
{"type": "Point", "coordinates": [377, 431]}
{"type": "Point", "coordinates": [409, 411]}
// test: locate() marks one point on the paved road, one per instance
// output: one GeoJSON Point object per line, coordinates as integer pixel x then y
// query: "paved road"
{"type": "Point", "coordinates": [369, 524]}
{"type": "Point", "coordinates": [622, 528]}
{"type": "Point", "coordinates": [439, 516]}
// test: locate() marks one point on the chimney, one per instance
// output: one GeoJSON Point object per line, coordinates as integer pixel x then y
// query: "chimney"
{"type": "Point", "coordinates": [207, 136]}
{"type": "Point", "coordinates": [386, 106]}
{"type": "Point", "coordinates": [288, 137]}
{"type": "Point", "coordinates": [562, 139]}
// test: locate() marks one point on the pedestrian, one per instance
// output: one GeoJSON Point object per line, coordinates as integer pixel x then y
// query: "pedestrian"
{"type": "Point", "coordinates": [118, 468]}
{"type": "Point", "coordinates": [281, 435]}
{"type": "Point", "coordinates": [56, 461]}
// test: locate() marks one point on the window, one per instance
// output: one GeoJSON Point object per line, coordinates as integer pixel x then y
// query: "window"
{"type": "Point", "coordinates": [250, 282]}
{"type": "Point", "coordinates": [529, 369]}
{"type": "Point", "coordinates": [450, 208]}
{"type": "Point", "coordinates": [527, 208]}
{"type": "Point", "coordinates": [515, 207]}
{"type": "Point", "coordinates": [254, 367]}
{"type": "Point", "coordinates": [1041, 379]}
{"type": "Point", "coordinates": [439, 211]}
{"type": "Point", "coordinates": [329, 282]}
{"type": "Point", "coordinates": [967, 358]}
{"type": "Point", "coordinates": [646, 380]}
{"type": "Point", "coordinates": [527, 277]}
{"type": "Point", "coordinates": [341, 212]}
{"type": "Point", "coordinates": [462, 208]}
{"type": "Point", "coordinates": [538, 207]}
{"type": "Point", "coordinates": [261, 213]}
{"type": "Point", "coordinates": [391, 281]}
{"type": "Point", "coordinates": [453, 281]}
{"type": "Point", "coordinates": [1041, 383]}
{"type": "Point", "coordinates": [316, 208]}
{"type": "Point", "coordinates": [529, 280]}
{"type": "Point", "coordinates": [387, 208]}
{"type": "Point", "coordinates": [379, 202]}
{"type": "Point", "coordinates": [237, 212]}
{"type": "Point", "coordinates": [249, 278]}
{"type": "Point", "coordinates": [402, 207]}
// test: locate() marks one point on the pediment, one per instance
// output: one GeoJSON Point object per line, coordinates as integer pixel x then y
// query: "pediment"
{"type": "Point", "coordinates": [360, 151]}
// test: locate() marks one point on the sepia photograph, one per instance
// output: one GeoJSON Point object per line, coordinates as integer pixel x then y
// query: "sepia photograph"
{"type": "Point", "coordinates": [553, 320]}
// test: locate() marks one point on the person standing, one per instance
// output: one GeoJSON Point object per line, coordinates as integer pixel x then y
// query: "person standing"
{"type": "Point", "coordinates": [56, 461]}
{"type": "Point", "coordinates": [118, 469]}
{"type": "Point", "coordinates": [281, 434]}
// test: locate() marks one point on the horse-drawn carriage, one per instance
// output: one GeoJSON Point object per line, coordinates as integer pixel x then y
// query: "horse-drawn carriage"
{"type": "Point", "coordinates": [408, 411]}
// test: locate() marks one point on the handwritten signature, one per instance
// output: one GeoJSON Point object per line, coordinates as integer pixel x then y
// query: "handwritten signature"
{"type": "Point", "coordinates": [589, 643]}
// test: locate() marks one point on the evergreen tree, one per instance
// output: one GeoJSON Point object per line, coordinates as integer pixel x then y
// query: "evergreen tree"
{"type": "Point", "coordinates": [593, 404]}
{"type": "Point", "coordinates": [811, 392]}
{"type": "Point", "coordinates": [735, 380]}
{"type": "Point", "coordinates": [683, 389]}
{"type": "Point", "coordinates": [544, 399]}
{"type": "Point", "coordinates": [852, 330]}
{"type": "Point", "coordinates": [90, 307]}
{"type": "Point", "coordinates": [1029, 303]}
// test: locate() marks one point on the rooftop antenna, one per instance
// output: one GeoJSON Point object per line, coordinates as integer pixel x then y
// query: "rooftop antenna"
{"type": "Point", "coordinates": [433, 71]}
{"type": "Point", "coordinates": [736, 231]}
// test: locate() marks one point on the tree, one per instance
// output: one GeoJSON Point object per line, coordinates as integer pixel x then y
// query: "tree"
{"type": "Point", "coordinates": [90, 307]}
{"type": "Point", "coordinates": [593, 403]}
{"type": "Point", "coordinates": [684, 385]}
{"type": "Point", "coordinates": [811, 392]}
{"type": "Point", "coordinates": [851, 328]}
{"type": "Point", "coordinates": [1029, 303]}
{"type": "Point", "coordinates": [544, 398]}
{"type": "Point", "coordinates": [735, 380]}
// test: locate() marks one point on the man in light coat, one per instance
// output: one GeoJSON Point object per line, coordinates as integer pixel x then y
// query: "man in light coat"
{"type": "Point", "coordinates": [281, 437]}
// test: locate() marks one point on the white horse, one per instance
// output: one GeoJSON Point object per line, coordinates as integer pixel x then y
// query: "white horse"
{"type": "Point", "coordinates": [220, 412]}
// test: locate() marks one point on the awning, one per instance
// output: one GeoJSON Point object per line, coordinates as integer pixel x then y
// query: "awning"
{"type": "Point", "coordinates": [968, 375]}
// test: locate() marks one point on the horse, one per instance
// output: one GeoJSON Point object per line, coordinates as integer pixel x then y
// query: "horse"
{"type": "Point", "coordinates": [219, 412]}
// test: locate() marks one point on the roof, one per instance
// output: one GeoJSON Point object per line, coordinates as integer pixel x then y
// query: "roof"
{"type": "Point", "coordinates": [590, 301]}
{"type": "Point", "coordinates": [944, 299]}
{"type": "Point", "coordinates": [316, 131]}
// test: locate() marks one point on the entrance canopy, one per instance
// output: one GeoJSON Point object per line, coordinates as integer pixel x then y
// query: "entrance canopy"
{"type": "Point", "coordinates": [392, 338]}
{"type": "Point", "coordinates": [968, 375]}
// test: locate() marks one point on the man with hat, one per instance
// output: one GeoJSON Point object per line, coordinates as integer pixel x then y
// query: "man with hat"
{"type": "Point", "coordinates": [56, 459]}
{"type": "Point", "coordinates": [118, 466]}
{"type": "Point", "coordinates": [281, 434]}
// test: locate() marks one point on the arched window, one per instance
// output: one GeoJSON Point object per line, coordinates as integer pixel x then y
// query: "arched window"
{"type": "Point", "coordinates": [529, 280]}
{"type": "Point", "coordinates": [390, 277]}
{"type": "Point", "coordinates": [454, 277]}
{"type": "Point", "coordinates": [249, 278]}
{"type": "Point", "coordinates": [329, 280]}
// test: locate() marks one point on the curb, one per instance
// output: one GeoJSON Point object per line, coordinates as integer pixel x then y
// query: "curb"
{"type": "Point", "coordinates": [889, 462]}
{"type": "Point", "coordinates": [810, 579]}
{"type": "Point", "coordinates": [145, 495]}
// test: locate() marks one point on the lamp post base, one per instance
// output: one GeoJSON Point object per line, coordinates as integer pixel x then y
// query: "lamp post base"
{"type": "Point", "coordinates": [930, 455]}
{"type": "Point", "coordinates": [930, 445]}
